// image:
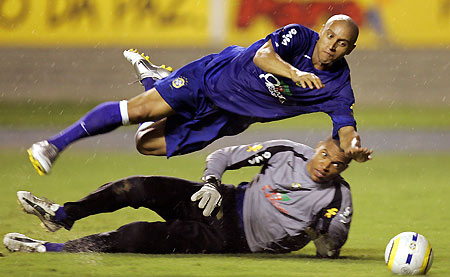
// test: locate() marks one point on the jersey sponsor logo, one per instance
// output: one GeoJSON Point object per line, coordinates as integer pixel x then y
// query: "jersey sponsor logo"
{"type": "Point", "coordinates": [275, 86]}
{"type": "Point", "coordinates": [287, 37]}
{"type": "Point", "coordinates": [344, 217]}
{"type": "Point", "coordinates": [331, 212]}
{"type": "Point", "coordinates": [259, 158]}
{"type": "Point", "coordinates": [179, 82]}
{"type": "Point", "coordinates": [254, 148]}
{"type": "Point", "coordinates": [274, 196]}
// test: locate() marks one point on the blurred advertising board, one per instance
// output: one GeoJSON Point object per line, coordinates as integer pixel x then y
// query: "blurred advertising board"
{"type": "Point", "coordinates": [399, 23]}
{"type": "Point", "coordinates": [103, 22]}
{"type": "Point", "coordinates": [203, 23]}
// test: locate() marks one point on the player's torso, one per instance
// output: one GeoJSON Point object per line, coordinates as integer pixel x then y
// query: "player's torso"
{"type": "Point", "coordinates": [283, 200]}
{"type": "Point", "coordinates": [236, 84]}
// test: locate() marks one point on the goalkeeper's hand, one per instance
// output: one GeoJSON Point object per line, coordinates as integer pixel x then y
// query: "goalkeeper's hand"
{"type": "Point", "coordinates": [208, 195]}
{"type": "Point", "coordinates": [324, 245]}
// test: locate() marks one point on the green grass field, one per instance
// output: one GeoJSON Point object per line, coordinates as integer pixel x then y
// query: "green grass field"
{"type": "Point", "coordinates": [40, 114]}
{"type": "Point", "coordinates": [392, 194]}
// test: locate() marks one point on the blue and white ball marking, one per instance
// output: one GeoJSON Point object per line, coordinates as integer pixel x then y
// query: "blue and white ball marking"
{"type": "Point", "coordinates": [409, 253]}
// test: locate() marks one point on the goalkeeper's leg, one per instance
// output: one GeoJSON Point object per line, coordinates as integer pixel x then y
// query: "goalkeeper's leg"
{"type": "Point", "coordinates": [167, 196]}
{"type": "Point", "coordinates": [175, 236]}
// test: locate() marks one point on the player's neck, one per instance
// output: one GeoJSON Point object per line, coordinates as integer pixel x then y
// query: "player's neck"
{"type": "Point", "coordinates": [317, 64]}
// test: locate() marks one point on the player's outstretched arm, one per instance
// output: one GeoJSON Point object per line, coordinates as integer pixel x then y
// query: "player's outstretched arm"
{"type": "Point", "coordinates": [351, 144]}
{"type": "Point", "coordinates": [268, 60]}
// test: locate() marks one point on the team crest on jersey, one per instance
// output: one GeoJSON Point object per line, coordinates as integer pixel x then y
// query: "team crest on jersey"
{"type": "Point", "coordinates": [296, 186]}
{"type": "Point", "coordinates": [179, 82]}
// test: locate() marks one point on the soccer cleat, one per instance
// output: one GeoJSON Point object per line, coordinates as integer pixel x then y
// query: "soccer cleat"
{"type": "Point", "coordinates": [43, 209]}
{"type": "Point", "coordinates": [144, 68]}
{"type": "Point", "coordinates": [16, 242]}
{"type": "Point", "coordinates": [42, 154]}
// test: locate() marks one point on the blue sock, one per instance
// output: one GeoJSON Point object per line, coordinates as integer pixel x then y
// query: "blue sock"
{"type": "Point", "coordinates": [54, 247]}
{"type": "Point", "coordinates": [60, 214]}
{"type": "Point", "coordinates": [148, 83]}
{"type": "Point", "coordinates": [102, 119]}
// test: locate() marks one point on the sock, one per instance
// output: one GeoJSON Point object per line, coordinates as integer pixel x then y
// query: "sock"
{"type": "Point", "coordinates": [148, 83]}
{"type": "Point", "coordinates": [54, 247]}
{"type": "Point", "coordinates": [60, 214]}
{"type": "Point", "coordinates": [102, 119]}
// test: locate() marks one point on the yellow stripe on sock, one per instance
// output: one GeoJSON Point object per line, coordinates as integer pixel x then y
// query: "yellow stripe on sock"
{"type": "Point", "coordinates": [392, 254]}
{"type": "Point", "coordinates": [425, 259]}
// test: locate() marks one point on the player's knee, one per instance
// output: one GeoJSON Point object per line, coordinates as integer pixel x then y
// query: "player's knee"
{"type": "Point", "coordinates": [147, 146]}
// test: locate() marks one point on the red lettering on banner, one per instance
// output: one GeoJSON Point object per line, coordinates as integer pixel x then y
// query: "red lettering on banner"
{"type": "Point", "coordinates": [307, 13]}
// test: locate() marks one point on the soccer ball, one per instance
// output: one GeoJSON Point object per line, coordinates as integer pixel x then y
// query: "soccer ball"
{"type": "Point", "coordinates": [409, 253]}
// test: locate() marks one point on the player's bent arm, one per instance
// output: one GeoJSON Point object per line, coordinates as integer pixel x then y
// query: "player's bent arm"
{"type": "Point", "coordinates": [235, 157]}
{"type": "Point", "coordinates": [218, 162]}
{"type": "Point", "coordinates": [268, 60]}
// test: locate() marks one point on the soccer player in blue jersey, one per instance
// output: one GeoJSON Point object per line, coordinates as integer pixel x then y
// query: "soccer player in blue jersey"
{"type": "Point", "coordinates": [292, 71]}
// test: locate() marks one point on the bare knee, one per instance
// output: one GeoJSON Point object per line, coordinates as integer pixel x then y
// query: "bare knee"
{"type": "Point", "coordinates": [150, 147]}
{"type": "Point", "coordinates": [150, 140]}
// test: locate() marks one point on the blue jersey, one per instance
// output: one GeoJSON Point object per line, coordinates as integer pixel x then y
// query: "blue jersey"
{"type": "Point", "coordinates": [234, 83]}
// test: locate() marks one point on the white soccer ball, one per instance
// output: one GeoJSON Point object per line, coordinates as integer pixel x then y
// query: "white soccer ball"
{"type": "Point", "coordinates": [409, 253]}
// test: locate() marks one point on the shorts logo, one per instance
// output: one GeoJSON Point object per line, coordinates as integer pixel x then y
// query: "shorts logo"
{"type": "Point", "coordinates": [179, 82]}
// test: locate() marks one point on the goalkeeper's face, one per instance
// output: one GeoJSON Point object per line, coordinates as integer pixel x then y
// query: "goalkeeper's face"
{"type": "Point", "coordinates": [328, 162]}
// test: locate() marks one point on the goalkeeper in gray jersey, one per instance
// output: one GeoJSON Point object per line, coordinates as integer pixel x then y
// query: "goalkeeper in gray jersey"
{"type": "Point", "coordinates": [298, 196]}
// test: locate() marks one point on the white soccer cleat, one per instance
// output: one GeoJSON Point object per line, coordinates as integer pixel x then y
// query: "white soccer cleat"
{"type": "Point", "coordinates": [144, 68]}
{"type": "Point", "coordinates": [16, 242]}
{"type": "Point", "coordinates": [42, 155]}
{"type": "Point", "coordinates": [43, 209]}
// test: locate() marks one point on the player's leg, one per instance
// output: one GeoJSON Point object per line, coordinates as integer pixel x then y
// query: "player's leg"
{"type": "Point", "coordinates": [105, 117]}
{"type": "Point", "coordinates": [150, 138]}
{"type": "Point", "coordinates": [169, 237]}
{"type": "Point", "coordinates": [174, 236]}
{"type": "Point", "coordinates": [169, 197]}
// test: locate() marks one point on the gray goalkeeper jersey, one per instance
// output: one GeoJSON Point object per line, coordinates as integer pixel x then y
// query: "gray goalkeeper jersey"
{"type": "Point", "coordinates": [282, 200]}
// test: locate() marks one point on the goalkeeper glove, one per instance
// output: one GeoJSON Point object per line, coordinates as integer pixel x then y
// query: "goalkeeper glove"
{"type": "Point", "coordinates": [324, 244]}
{"type": "Point", "coordinates": [209, 196]}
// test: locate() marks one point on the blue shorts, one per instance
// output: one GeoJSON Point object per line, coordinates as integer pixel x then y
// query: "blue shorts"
{"type": "Point", "coordinates": [198, 121]}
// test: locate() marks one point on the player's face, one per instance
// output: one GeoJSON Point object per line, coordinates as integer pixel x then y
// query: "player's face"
{"type": "Point", "coordinates": [336, 40]}
{"type": "Point", "coordinates": [328, 162]}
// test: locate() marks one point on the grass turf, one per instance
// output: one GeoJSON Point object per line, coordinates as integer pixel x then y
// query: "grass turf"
{"type": "Point", "coordinates": [392, 194]}
{"type": "Point", "coordinates": [37, 114]}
